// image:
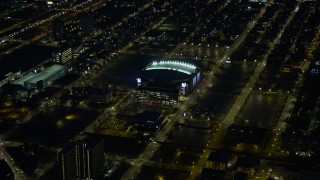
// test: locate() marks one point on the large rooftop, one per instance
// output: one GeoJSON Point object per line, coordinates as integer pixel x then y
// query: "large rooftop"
{"type": "Point", "coordinates": [173, 65]}
{"type": "Point", "coordinates": [43, 75]}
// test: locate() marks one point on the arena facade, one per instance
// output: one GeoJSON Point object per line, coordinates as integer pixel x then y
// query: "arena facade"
{"type": "Point", "coordinates": [170, 75]}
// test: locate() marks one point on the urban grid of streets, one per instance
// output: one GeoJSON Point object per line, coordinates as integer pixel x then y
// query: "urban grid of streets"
{"type": "Point", "coordinates": [153, 146]}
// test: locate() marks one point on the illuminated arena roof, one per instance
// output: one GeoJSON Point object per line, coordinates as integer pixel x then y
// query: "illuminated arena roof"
{"type": "Point", "coordinates": [186, 68]}
{"type": "Point", "coordinates": [168, 74]}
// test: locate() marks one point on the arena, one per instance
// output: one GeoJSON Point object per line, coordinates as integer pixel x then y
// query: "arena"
{"type": "Point", "coordinates": [176, 76]}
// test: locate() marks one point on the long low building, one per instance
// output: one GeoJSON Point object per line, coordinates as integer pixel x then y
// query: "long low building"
{"type": "Point", "coordinates": [41, 80]}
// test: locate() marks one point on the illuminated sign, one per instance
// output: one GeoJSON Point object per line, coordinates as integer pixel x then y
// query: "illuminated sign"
{"type": "Point", "coordinates": [138, 81]}
{"type": "Point", "coordinates": [183, 88]}
{"type": "Point", "coordinates": [198, 76]}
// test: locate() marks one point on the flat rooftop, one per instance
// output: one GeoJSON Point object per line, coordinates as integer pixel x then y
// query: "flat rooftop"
{"type": "Point", "coordinates": [43, 75]}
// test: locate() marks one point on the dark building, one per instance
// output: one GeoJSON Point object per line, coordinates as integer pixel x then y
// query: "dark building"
{"type": "Point", "coordinates": [208, 174]}
{"type": "Point", "coordinates": [58, 30]}
{"type": "Point", "coordinates": [300, 143]}
{"type": "Point", "coordinates": [67, 158]}
{"type": "Point", "coordinates": [246, 165]}
{"type": "Point", "coordinates": [100, 96]}
{"type": "Point", "coordinates": [95, 158]}
{"type": "Point", "coordinates": [148, 121]}
{"type": "Point", "coordinates": [5, 171]}
{"type": "Point", "coordinates": [86, 24]}
{"type": "Point", "coordinates": [241, 176]}
{"type": "Point", "coordinates": [83, 159]}
{"type": "Point", "coordinates": [220, 160]}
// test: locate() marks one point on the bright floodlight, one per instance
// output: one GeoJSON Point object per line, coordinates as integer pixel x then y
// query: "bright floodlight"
{"type": "Point", "coordinates": [183, 67]}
